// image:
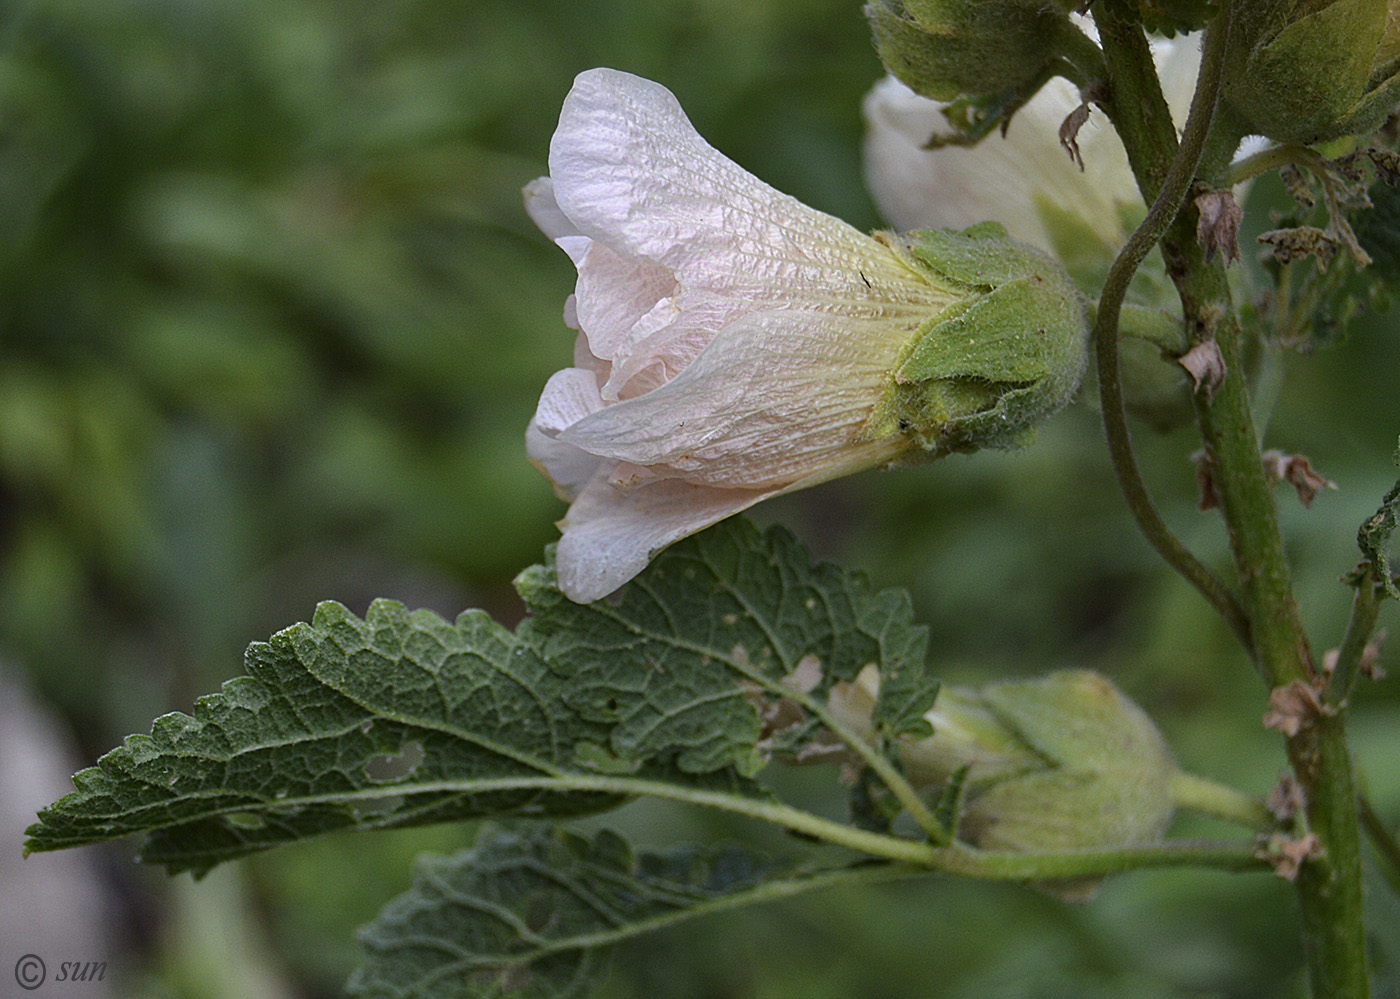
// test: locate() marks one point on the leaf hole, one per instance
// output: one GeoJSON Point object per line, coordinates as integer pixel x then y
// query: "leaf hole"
{"type": "Point", "coordinates": [370, 807]}
{"type": "Point", "coordinates": [388, 769]}
{"type": "Point", "coordinates": [244, 820]}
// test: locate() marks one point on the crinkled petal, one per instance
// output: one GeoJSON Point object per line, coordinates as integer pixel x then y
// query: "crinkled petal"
{"type": "Point", "coordinates": [567, 467]}
{"type": "Point", "coordinates": [775, 397]}
{"type": "Point", "coordinates": [544, 210]}
{"type": "Point", "coordinates": [568, 397]}
{"type": "Point", "coordinates": [615, 294]}
{"type": "Point", "coordinates": [610, 534]}
{"type": "Point", "coordinates": [631, 172]}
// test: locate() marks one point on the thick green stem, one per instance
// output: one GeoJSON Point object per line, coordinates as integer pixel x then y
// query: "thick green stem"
{"type": "Point", "coordinates": [1329, 884]}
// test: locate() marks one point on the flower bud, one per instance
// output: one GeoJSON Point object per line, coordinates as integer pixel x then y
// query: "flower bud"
{"type": "Point", "coordinates": [1316, 70]}
{"type": "Point", "coordinates": [1063, 762]}
{"type": "Point", "coordinates": [943, 48]}
{"type": "Point", "coordinates": [1090, 767]}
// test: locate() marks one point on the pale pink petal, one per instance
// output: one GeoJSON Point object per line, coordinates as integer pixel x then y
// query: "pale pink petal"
{"type": "Point", "coordinates": [774, 398]}
{"type": "Point", "coordinates": [567, 467]}
{"type": "Point", "coordinates": [568, 397]}
{"type": "Point", "coordinates": [544, 210]}
{"type": "Point", "coordinates": [585, 358]}
{"type": "Point", "coordinates": [611, 534]}
{"type": "Point", "coordinates": [630, 171]}
{"type": "Point", "coordinates": [614, 294]}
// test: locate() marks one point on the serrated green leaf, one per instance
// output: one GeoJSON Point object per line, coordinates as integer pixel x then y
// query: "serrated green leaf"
{"type": "Point", "coordinates": [527, 915]}
{"type": "Point", "coordinates": [289, 750]}
{"type": "Point", "coordinates": [727, 604]}
{"type": "Point", "coordinates": [1375, 534]}
{"type": "Point", "coordinates": [404, 719]}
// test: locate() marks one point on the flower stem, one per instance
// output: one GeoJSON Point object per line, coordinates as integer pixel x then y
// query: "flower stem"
{"type": "Point", "coordinates": [1166, 177]}
{"type": "Point", "coordinates": [1273, 158]}
{"type": "Point", "coordinates": [1200, 794]}
{"type": "Point", "coordinates": [1365, 609]}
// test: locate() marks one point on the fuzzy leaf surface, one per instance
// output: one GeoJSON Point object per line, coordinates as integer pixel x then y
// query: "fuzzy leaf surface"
{"type": "Point", "coordinates": [403, 718]}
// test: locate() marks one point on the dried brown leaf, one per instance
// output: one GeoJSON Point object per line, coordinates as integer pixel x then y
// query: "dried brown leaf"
{"type": "Point", "coordinates": [1218, 224]}
{"type": "Point", "coordinates": [1206, 366]}
{"type": "Point", "coordinates": [1069, 132]}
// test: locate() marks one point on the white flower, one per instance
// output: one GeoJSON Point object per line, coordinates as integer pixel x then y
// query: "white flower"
{"type": "Point", "coordinates": [1025, 179]}
{"type": "Point", "coordinates": [734, 343]}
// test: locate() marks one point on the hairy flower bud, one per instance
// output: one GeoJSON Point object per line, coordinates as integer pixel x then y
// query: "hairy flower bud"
{"type": "Point", "coordinates": [1062, 762]}
{"type": "Point", "coordinates": [1024, 180]}
{"type": "Point", "coordinates": [944, 48]}
{"type": "Point", "coordinates": [1316, 70]}
{"type": "Point", "coordinates": [735, 344]}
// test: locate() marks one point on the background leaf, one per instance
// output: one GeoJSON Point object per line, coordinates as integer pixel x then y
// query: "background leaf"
{"type": "Point", "coordinates": [526, 914]}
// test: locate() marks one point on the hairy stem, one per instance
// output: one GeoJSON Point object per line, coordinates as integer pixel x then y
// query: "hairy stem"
{"type": "Point", "coordinates": [1274, 158]}
{"type": "Point", "coordinates": [955, 858]}
{"type": "Point", "coordinates": [1329, 884]}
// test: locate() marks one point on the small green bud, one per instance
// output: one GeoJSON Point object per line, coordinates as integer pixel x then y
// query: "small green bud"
{"type": "Point", "coordinates": [1316, 70]}
{"type": "Point", "coordinates": [1008, 352]}
{"type": "Point", "coordinates": [943, 48]}
{"type": "Point", "coordinates": [1060, 763]}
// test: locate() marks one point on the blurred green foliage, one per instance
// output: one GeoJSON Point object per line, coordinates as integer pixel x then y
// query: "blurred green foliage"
{"type": "Point", "coordinates": [272, 322]}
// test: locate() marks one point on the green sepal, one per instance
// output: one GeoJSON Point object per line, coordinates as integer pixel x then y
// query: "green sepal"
{"type": "Point", "coordinates": [990, 340]}
{"type": "Point", "coordinates": [1316, 78]}
{"type": "Point", "coordinates": [944, 48]}
{"type": "Point", "coordinates": [998, 360]}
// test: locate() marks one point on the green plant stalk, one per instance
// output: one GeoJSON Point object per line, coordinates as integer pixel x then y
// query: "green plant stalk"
{"type": "Point", "coordinates": [1329, 885]}
{"type": "Point", "coordinates": [1273, 158]}
{"type": "Point", "coordinates": [1220, 801]}
{"type": "Point", "coordinates": [956, 858]}
{"type": "Point", "coordinates": [1365, 608]}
